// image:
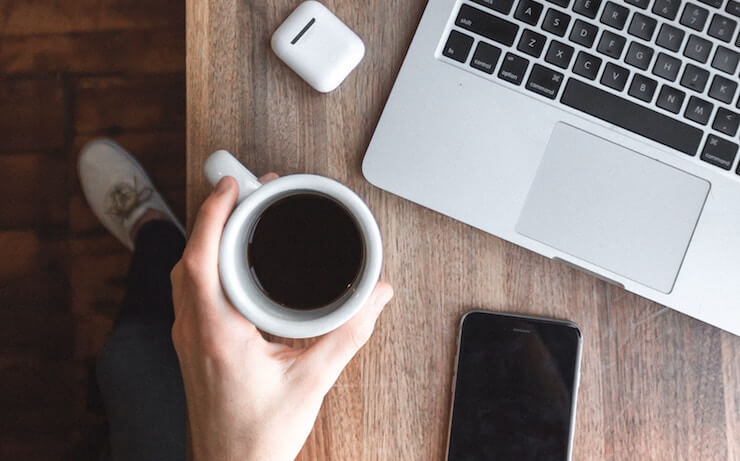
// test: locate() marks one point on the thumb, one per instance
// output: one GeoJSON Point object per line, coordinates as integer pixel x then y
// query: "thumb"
{"type": "Point", "coordinates": [326, 358]}
{"type": "Point", "coordinates": [209, 224]}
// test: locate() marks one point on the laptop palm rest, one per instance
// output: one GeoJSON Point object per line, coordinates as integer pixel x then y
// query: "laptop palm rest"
{"type": "Point", "coordinates": [613, 207]}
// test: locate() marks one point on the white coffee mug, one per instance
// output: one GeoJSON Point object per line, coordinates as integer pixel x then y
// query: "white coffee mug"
{"type": "Point", "coordinates": [236, 278]}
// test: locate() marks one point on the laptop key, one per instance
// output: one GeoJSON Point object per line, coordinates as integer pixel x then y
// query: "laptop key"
{"type": "Point", "coordinates": [563, 3]}
{"type": "Point", "coordinates": [667, 8]}
{"type": "Point", "coordinates": [587, 65]}
{"type": "Point", "coordinates": [556, 22]}
{"type": "Point", "coordinates": [559, 54]}
{"type": "Point", "coordinates": [502, 6]}
{"type": "Point", "coordinates": [726, 121]}
{"type": "Point", "coordinates": [733, 7]}
{"type": "Point", "coordinates": [714, 3]}
{"type": "Point", "coordinates": [631, 116]}
{"type": "Point", "coordinates": [666, 66]}
{"type": "Point", "coordinates": [722, 27]}
{"type": "Point", "coordinates": [642, 26]}
{"type": "Point", "coordinates": [669, 37]}
{"type": "Point", "coordinates": [544, 81]}
{"type": "Point", "coordinates": [487, 25]}
{"type": "Point", "coordinates": [697, 49]}
{"type": "Point", "coordinates": [639, 55]}
{"type": "Point", "coordinates": [531, 43]}
{"type": "Point", "coordinates": [458, 46]}
{"type": "Point", "coordinates": [725, 59]}
{"type": "Point", "coordinates": [528, 11]}
{"type": "Point", "coordinates": [719, 152]}
{"type": "Point", "coordinates": [513, 69]}
{"type": "Point", "coordinates": [485, 57]}
{"type": "Point", "coordinates": [614, 15]}
{"type": "Point", "coordinates": [694, 16]}
{"type": "Point", "coordinates": [583, 33]}
{"type": "Point", "coordinates": [698, 110]}
{"type": "Point", "coordinates": [642, 88]}
{"type": "Point", "coordinates": [722, 89]}
{"type": "Point", "coordinates": [611, 44]}
{"type": "Point", "coordinates": [614, 76]}
{"type": "Point", "coordinates": [694, 78]}
{"type": "Point", "coordinates": [670, 99]}
{"type": "Point", "coordinates": [587, 8]}
{"type": "Point", "coordinates": [639, 3]}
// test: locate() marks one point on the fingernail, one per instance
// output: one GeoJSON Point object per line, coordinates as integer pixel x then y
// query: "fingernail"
{"type": "Point", "coordinates": [223, 185]}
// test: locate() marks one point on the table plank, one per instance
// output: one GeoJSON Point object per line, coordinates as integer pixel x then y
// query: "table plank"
{"type": "Point", "coordinates": [655, 384]}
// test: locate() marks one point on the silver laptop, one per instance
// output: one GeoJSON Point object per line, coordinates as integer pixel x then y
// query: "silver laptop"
{"type": "Point", "coordinates": [601, 133]}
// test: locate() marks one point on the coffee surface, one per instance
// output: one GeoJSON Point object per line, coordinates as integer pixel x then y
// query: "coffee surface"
{"type": "Point", "coordinates": [305, 251]}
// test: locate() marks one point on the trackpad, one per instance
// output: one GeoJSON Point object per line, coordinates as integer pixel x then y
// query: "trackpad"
{"type": "Point", "coordinates": [613, 207]}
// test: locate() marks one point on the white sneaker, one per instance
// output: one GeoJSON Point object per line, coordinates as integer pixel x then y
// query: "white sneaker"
{"type": "Point", "coordinates": [118, 189]}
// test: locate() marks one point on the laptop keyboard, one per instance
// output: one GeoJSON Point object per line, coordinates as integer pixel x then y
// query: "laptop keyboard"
{"type": "Point", "coordinates": [663, 69]}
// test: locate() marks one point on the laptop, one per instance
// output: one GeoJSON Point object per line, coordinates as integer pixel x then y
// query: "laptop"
{"type": "Point", "coordinates": [600, 133]}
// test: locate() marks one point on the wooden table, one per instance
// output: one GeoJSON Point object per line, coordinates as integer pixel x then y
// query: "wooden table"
{"type": "Point", "coordinates": [655, 384]}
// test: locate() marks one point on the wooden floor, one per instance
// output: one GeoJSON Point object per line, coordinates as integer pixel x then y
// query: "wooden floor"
{"type": "Point", "coordinates": [72, 70]}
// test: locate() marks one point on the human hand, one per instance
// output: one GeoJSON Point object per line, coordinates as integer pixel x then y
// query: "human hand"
{"type": "Point", "coordinates": [247, 398]}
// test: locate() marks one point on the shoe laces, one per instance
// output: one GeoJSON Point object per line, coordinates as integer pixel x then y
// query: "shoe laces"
{"type": "Point", "coordinates": [123, 198]}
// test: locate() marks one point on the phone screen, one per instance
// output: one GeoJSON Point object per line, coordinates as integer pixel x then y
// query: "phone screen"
{"type": "Point", "coordinates": [515, 389]}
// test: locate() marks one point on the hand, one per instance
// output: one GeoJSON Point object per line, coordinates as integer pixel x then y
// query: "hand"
{"type": "Point", "coordinates": [247, 398]}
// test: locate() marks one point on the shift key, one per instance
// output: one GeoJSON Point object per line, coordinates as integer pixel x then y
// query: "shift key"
{"type": "Point", "coordinates": [487, 25]}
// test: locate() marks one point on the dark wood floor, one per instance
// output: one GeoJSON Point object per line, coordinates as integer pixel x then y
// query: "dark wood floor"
{"type": "Point", "coordinates": [72, 70]}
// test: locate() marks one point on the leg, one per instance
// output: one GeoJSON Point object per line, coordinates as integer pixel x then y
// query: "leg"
{"type": "Point", "coordinates": [138, 371]}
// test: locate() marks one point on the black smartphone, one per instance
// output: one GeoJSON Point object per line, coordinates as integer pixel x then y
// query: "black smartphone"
{"type": "Point", "coordinates": [514, 390]}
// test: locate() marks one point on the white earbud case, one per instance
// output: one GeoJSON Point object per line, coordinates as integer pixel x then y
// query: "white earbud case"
{"type": "Point", "coordinates": [318, 46]}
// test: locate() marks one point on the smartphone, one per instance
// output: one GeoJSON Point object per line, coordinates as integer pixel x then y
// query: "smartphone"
{"type": "Point", "coordinates": [514, 390]}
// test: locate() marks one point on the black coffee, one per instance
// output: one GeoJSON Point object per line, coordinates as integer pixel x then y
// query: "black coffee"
{"type": "Point", "coordinates": [305, 251]}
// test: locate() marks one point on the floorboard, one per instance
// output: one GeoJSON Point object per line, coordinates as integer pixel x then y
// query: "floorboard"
{"type": "Point", "coordinates": [72, 71]}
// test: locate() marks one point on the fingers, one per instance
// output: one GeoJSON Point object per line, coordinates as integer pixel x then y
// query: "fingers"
{"type": "Point", "coordinates": [212, 217]}
{"type": "Point", "coordinates": [204, 241]}
{"type": "Point", "coordinates": [326, 358]}
{"type": "Point", "coordinates": [268, 177]}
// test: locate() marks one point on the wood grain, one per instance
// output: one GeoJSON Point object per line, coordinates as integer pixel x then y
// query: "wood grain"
{"type": "Point", "coordinates": [33, 107]}
{"type": "Point", "coordinates": [655, 384]}
{"type": "Point", "coordinates": [33, 17]}
{"type": "Point", "coordinates": [71, 71]}
{"type": "Point", "coordinates": [129, 103]}
{"type": "Point", "coordinates": [40, 205]}
{"type": "Point", "coordinates": [94, 52]}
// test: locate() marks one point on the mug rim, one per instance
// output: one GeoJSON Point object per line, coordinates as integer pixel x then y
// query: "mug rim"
{"type": "Point", "coordinates": [243, 293]}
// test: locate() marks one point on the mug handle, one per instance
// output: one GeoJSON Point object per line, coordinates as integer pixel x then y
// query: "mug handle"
{"type": "Point", "coordinates": [221, 163]}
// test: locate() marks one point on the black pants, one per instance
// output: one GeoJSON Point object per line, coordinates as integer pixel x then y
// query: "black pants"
{"type": "Point", "coordinates": [138, 372]}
